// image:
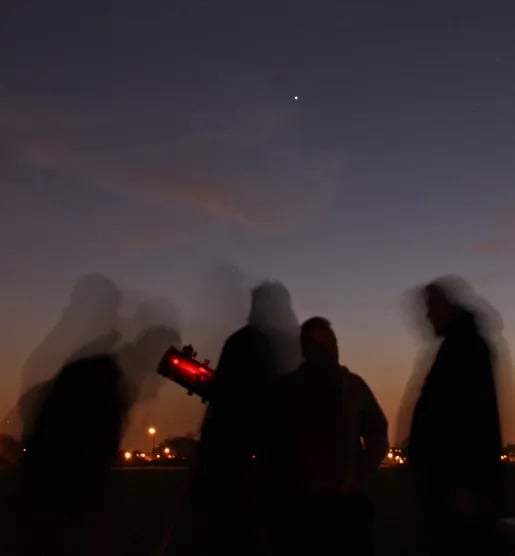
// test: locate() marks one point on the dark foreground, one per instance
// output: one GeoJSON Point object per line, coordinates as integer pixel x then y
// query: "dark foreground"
{"type": "Point", "coordinates": [149, 501]}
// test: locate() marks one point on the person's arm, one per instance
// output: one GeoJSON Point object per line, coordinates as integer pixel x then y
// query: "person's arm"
{"type": "Point", "coordinates": [476, 415]}
{"type": "Point", "coordinates": [374, 431]}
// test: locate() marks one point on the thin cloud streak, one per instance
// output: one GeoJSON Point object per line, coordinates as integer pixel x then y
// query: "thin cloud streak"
{"type": "Point", "coordinates": [278, 187]}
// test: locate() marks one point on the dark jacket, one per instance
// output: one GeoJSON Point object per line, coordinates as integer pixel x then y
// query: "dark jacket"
{"type": "Point", "coordinates": [327, 432]}
{"type": "Point", "coordinates": [455, 434]}
{"type": "Point", "coordinates": [233, 423]}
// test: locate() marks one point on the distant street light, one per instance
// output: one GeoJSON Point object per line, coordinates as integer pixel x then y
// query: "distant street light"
{"type": "Point", "coordinates": [152, 432]}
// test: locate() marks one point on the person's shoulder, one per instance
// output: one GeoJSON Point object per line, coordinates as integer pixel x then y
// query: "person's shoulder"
{"type": "Point", "coordinates": [351, 376]}
{"type": "Point", "coordinates": [354, 380]}
{"type": "Point", "coordinates": [238, 339]}
{"type": "Point", "coordinates": [246, 333]}
{"type": "Point", "coordinates": [475, 346]}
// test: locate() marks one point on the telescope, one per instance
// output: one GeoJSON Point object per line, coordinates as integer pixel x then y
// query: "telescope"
{"type": "Point", "coordinates": [182, 367]}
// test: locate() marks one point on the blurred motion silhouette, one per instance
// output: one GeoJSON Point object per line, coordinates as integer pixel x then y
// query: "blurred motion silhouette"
{"type": "Point", "coordinates": [416, 321]}
{"type": "Point", "coordinates": [327, 436]}
{"type": "Point", "coordinates": [65, 468]}
{"type": "Point", "coordinates": [156, 311]}
{"type": "Point", "coordinates": [225, 484]}
{"type": "Point", "coordinates": [155, 325]}
{"type": "Point", "coordinates": [88, 326]}
{"type": "Point", "coordinates": [221, 307]}
{"type": "Point", "coordinates": [455, 440]}
{"type": "Point", "coordinates": [91, 319]}
{"type": "Point", "coordinates": [140, 360]}
{"type": "Point", "coordinates": [491, 326]}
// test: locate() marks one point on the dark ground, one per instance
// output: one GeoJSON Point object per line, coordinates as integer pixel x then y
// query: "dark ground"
{"type": "Point", "coordinates": [147, 500]}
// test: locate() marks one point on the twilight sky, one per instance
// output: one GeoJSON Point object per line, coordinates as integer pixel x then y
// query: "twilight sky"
{"type": "Point", "coordinates": [155, 141]}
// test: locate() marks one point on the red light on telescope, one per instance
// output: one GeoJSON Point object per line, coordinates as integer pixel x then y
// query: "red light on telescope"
{"type": "Point", "coordinates": [191, 368]}
{"type": "Point", "coordinates": [185, 370]}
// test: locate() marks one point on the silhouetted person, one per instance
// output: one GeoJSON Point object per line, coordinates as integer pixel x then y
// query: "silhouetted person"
{"type": "Point", "coordinates": [455, 438]}
{"type": "Point", "coordinates": [64, 472]}
{"type": "Point", "coordinates": [327, 436]}
{"type": "Point", "coordinates": [252, 358]}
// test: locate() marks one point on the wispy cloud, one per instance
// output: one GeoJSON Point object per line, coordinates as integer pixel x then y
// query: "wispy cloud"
{"type": "Point", "coordinates": [501, 239]}
{"type": "Point", "coordinates": [247, 168]}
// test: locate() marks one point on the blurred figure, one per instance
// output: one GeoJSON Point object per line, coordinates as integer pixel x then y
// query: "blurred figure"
{"type": "Point", "coordinates": [155, 327]}
{"type": "Point", "coordinates": [252, 358]}
{"type": "Point", "coordinates": [88, 326]}
{"type": "Point", "coordinates": [156, 311]}
{"type": "Point", "coordinates": [418, 323]}
{"type": "Point", "coordinates": [455, 439]}
{"type": "Point", "coordinates": [90, 319]}
{"type": "Point", "coordinates": [220, 307]}
{"type": "Point", "coordinates": [327, 437]}
{"type": "Point", "coordinates": [65, 468]}
{"type": "Point", "coordinates": [140, 360]}
{"type": "Point", "coordinates": [271, 313]}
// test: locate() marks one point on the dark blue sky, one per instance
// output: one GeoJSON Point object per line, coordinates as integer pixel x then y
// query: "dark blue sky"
{"type": "Point", "coordinates": [151, 140]}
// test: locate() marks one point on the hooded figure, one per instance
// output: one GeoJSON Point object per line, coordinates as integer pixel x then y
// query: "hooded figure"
{"type": "Point", "coordinates": [455, 440]}
{"type": "Point", "coordinates": [231, 436]}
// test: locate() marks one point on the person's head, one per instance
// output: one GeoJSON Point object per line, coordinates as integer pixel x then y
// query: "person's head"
{"type": "Point", "coordinates": [318, 341]}
{"type": "Point", "coordinates": [96, 298]}
{"type": "Point", "coordinates": [87, 396]}
{"type": "Point", "coordinates": [441, 310]}
{"type": "Point", "coordinates": [271, 308]}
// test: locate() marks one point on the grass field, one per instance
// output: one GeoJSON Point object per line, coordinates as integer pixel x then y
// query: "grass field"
{"type": "Point", "coordinates": [146, 499]}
